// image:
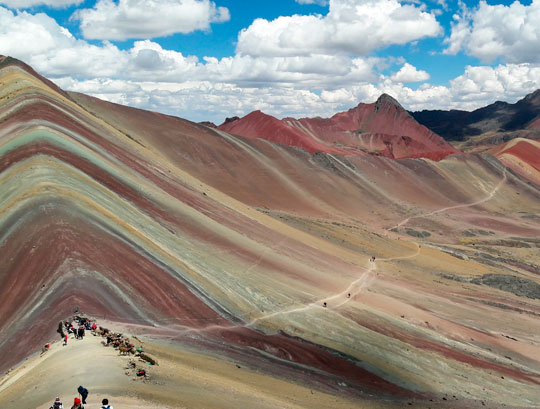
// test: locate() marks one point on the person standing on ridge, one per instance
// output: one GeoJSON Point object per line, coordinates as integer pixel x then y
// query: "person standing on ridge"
{"type": "Point", "coordinates": [60, 329]}
{"type": "Point", "coordinates": [77, 404]}
{"type": "Point", "coordinates": [105, 404]}
{"type": "Point", "coordinates": [57, 404]}
{"type": "Point", "coordinates": [83, 392]}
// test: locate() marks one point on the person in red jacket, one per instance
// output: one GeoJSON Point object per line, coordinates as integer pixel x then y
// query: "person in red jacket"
{"type": "Point", "coordinates": [77, 404]}
{"type": "Point", "coordinates": [65, 340]}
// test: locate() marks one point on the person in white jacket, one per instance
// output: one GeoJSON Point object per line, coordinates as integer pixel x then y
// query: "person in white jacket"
{"type": "Point", "coordinates": [57, 404]}
{"type": "Point", "coordinates": [105, 404]}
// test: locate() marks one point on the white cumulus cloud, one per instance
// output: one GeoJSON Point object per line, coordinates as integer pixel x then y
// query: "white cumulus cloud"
{"type": "Point", "coordinates": [23, 4]}
{"type": "Point", "coordinates": [409, 73]}
{"type": "Point", "coordinates": [52, 50]}
{"type": "Point", "coordinates": [109, 20]}
{"type": "Point", "coordinates": [351, 27]}
{"type": "Point", "coordinates": [511, 33]}
{"type": "Point", "coordinates": [149, 76]}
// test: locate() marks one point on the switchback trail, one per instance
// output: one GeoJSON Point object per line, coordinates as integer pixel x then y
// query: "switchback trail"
{"type": "Point", "coordinates": [444, 209]}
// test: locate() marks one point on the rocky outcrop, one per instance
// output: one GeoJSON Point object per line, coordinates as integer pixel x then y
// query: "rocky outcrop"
{"type": "Point", "coordinates": [522, 287]}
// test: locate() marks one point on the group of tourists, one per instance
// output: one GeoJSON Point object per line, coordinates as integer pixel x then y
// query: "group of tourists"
{"type": "Point", "coordinates": [79, 401]}
{"type": "Point", "coordinates": [78, 404]}
{"type": "Point", "coordinates": [77, 325]}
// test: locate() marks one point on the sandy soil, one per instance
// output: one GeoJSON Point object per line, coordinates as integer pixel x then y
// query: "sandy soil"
{"type": "Point", "coordinates": [182, 379]}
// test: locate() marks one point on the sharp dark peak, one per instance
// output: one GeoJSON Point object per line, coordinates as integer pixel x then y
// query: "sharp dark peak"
{"type": "Point", "coordinates": [385, 100]}
{"type": "Point", "coordinates": [231, 119]}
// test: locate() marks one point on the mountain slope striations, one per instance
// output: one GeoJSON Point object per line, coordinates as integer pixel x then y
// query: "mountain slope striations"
{"type": "Point", "coordinates": [205, 243]}
{"type": "Point", "coordinates": [383, 128]}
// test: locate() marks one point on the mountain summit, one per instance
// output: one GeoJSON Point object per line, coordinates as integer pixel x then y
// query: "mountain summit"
{"type": "Point", "coordinates": [382, 128]}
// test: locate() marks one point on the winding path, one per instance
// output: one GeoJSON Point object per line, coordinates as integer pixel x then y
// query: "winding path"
{"type": "Point", "coordinates": [356, 286]}
{"type": "Point", "coordinates": [444, 209]}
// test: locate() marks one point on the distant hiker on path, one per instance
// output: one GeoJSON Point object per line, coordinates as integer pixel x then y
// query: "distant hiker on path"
{"type": "Point", "coordinates": [65, 340]}
{"type": "Point", "coordinates": [60, 329]}
{"type": "Point", "coordinates": [57, 404]}
{"type": "Point", "coordinates": [324, 304]}
{"type": "Point", "coordinates": [77, 404]}
{"type": "Point", "coordinates": [45, 348]}
{"type": "Point", "coordinates": [105, 404]}
{"type": "Point", "coordinates": [83, 392]}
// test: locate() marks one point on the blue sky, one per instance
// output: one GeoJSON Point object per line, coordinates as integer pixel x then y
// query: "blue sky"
{"type": "Point", "coordinates": [205, 60]}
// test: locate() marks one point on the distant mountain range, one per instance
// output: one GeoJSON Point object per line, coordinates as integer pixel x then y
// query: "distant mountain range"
{"type": "Point", "coordinates": [500, 118]}
{"type": "Point", "coordinates": [384, 128]}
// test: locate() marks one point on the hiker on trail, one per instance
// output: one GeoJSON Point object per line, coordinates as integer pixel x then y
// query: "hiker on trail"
{"type": "Point", "coordinates": [65, 340]}
{"type": "Point", "coordinates": [324, 304]}
{"type": "Point", "coordinates": [77, 404]}
{"type": "Point", "coordinates": [57, 404]}
{"type": "Point", "coordinates": [83, 392]}
{"type": "Point", "coordinates": [105, 404]}
{"type": "Point", "coordinates": [349, 295]}
{"type": "Point", "coordinates": [60, 329]}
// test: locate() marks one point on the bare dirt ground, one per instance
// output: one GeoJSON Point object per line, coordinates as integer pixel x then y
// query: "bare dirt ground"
{"type": "Point", "coordinates": [182, 379]}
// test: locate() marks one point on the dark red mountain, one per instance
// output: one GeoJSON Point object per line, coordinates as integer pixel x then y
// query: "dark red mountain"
{"type": "Point", "coordinates": [383, 128]}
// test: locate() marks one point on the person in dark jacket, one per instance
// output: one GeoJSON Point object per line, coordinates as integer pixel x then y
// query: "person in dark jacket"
{"type": "Point", "coordinates": [83, 392]}
{"type": "Point", "coordinates": [60, 329]}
